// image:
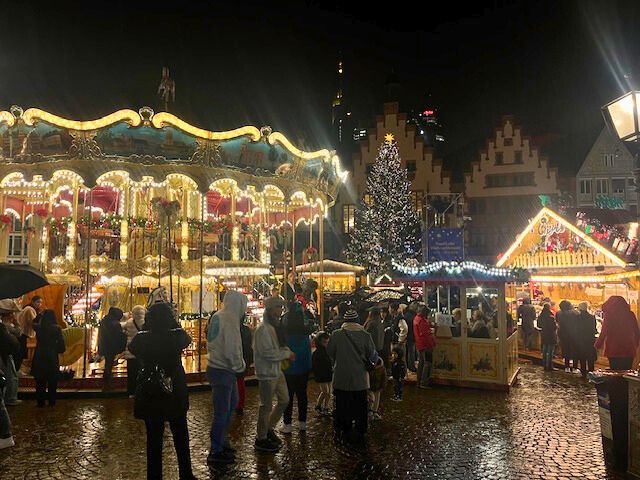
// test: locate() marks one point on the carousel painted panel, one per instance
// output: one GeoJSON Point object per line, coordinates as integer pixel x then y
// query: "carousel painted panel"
{"type": "Point", "coordinates": [482, 360]}
{"type": "Point", "coordinates": [168, 142]}
{"type": "Point", "coordinates": [23, 141]}
{"type": "Point", "coordinates": [447, 359]}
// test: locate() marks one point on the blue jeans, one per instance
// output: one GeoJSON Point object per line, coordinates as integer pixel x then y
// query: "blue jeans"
{"type": "Point", "coordinates": [547, 355]}
{"type": "Point", "coordinates": [225, 398]}
{"type": "Point", "coordinates": [11, 390]}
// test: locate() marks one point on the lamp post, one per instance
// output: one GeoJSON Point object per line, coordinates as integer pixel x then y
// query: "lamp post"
{"type": "Point", "coordinates": [622, 118]}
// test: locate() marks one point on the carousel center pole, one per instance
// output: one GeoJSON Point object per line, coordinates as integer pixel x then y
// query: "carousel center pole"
{"type": "Point", "coordinates": [170, 253]}
{"type": "Point", "coordinates": [87, 317]}
{"type": "Point", "coordinates": [321, 299]}
{"type": "Point", "coordinates": [201, 288]}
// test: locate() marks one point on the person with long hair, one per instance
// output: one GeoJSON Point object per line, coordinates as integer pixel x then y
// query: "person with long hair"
{"type": "Point", "coordinates": [620, 335]}
{"type": "Point", "coordinates": [46, 366]}
{"type": "Point", "coordinates": [158, 349]}
{"type": "Point", "coordinates": [131, 327]}
{"type": "Point", "coordinates": [425, 343]}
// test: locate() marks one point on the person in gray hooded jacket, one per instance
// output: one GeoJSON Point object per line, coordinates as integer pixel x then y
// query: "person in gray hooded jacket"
{"type": "Point", "coordinates": [224, 363]}
{"type": "Point", "coordinates": [269, 354]}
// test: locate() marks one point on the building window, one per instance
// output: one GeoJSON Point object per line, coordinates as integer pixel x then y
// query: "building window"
{"type": "Point", "coordinates": [617, 185]}
{"type": "Point", "coordinates": [411, 170]}
{"type": "Point", "coordinates": [417, 201]}
{"type": "Point", "coordinates": [607, 159]}
{"type": "Point", "coordinates": [508, 142]}
{"type": "Point", "coordinates": [367, 199]}
{"type": "Point", "coordinates": [348, 218]}
{"type": "Point", "coordinates": [602, 186]}
{"type": "Point", "coordinates": [499, 158]}
{"type": "Point", "coordinates": [585, 187]}
{"type": "Point", "coordinates": [518, 157]}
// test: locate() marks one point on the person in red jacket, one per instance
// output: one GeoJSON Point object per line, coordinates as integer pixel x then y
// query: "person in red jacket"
{"type": "Point", "coordinates": [620, 335]}
{"type": "Point", "coordinates": [425, 342]}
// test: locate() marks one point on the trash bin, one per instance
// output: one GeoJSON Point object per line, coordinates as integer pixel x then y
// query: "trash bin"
{"type": "Point", "coordinates": [613, 407]}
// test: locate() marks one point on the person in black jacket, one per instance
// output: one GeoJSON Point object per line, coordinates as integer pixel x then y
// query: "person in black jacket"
{"type": "Point", "coordinates": [160, 347]}
{"type": "Point", "coordinates": [398, 371]}
{"type": "Point", "coordinates": [411, 353]}
{"type": "Point", "coordinates": [547, 323]}
{"type": "Point", "coordinates": [46, 366]}
{"type": "Point", "coordinates": [585, 334]}
{"type": "Point", "coordinates": [111, 341]}
{"type": "Point", "coordinates": [322, 367]}
{"type": "Point", "coordinates": [8, 346]}
{"type": "Point", "coordinates": [247, 355]}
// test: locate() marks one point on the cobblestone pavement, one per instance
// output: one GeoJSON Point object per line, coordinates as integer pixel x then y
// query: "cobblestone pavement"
{"type": "Point", "coordinates": [546, 427]}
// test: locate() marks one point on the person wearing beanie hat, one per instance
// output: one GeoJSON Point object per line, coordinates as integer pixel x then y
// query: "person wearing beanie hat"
{"type": "Point", "coordinates": [160, 346]}
{"type": "Point", "coordinates": [111, 341]}
{"type": "Point", "coordinates": [351, 347]}
{"type": "Point", "coordinates": [132, 326]}
{"type": "Point", "coordinates": [585, 334]}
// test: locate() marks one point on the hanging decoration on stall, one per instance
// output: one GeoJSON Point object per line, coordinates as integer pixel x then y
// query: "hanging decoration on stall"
{"type": "Point", "coordinates": [461, 270]}
{"type": "Point", "coordinates": [555, 237]}
{"type": "Point", "coordinates": [610, 236]}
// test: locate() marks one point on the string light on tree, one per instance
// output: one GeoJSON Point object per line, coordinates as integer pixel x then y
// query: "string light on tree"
{"type": "Point", "coordinates": [386, 226]}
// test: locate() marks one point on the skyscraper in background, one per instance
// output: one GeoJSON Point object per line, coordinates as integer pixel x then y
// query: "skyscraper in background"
{"type": "Point", "coordinates": [428, 126]}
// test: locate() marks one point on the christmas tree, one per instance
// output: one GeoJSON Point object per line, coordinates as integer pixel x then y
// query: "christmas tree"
{"type": "Point", "coordinates": [386, 226]}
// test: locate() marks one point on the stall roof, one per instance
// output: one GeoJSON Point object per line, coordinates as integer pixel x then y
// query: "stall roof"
{"type": "Point", "coordinates": [524, 240]}
{"type": "Point", "coordinates": [329, 266]}
{"type": "Point", "coordinates": [459, 273]}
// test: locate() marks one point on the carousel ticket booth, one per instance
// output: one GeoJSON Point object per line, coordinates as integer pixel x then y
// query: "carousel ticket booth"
{"type": "Point", "coordinates": [466, 295]}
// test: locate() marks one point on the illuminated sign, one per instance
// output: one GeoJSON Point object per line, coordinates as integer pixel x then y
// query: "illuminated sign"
{"type": "Point", "coordinates": [428, 113]}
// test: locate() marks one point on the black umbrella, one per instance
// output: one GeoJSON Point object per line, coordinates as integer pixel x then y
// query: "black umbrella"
{"type": "Point", "coordinates": [16, 280]}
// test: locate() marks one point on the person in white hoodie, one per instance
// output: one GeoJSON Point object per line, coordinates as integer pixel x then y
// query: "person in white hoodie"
{"type": "Point", "coordinates": [224, 363]}
{"type": "Point", "coordinates": [268, 354]}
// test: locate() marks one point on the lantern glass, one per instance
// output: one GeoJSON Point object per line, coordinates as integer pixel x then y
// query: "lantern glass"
{"type": "Point", "coordinates": [623, 116]}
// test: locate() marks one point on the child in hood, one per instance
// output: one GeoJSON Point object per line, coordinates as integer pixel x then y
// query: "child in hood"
{"type": "Point", "coordinates": [323, 373]}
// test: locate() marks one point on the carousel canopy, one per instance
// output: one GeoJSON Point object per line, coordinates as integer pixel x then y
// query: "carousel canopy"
{"type": "Point", "coordinates": [148, 146]}
{"type": "Point", "coordinates": [329, 266]}
{"type": "Point", "coordinates": [459, 273]}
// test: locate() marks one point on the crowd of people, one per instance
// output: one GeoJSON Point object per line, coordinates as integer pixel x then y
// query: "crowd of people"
{"type": "Point", "coordinates": [574, 330]}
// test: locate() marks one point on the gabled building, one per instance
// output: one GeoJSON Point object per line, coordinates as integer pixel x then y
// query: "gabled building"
{"type": "Point", "coordinates": [502, 191]}
{"type": "Point", "coordinates": [605, 178]}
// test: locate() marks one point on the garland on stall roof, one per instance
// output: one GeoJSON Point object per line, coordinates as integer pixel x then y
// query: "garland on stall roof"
{"type": "Point", "coordinates": [458, 268]}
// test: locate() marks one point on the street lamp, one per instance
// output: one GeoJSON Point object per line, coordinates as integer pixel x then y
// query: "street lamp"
{"type": "Point", "coordinates": [622, 116]}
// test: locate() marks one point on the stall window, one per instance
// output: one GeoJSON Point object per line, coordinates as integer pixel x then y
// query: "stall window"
{"type": "Point", "coordinates": [482, 313]}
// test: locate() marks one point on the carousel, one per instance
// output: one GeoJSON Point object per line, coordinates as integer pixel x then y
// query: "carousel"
{"type": "Point", "coordinates": [111, 208]}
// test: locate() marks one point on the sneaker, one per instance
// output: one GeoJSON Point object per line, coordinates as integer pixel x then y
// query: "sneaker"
{"type": "Point", "coordinates": [13, 404]}
{"type": "Point", "coordinates": [567, 370]}
{"type": "Point", "coordinates": [274, 438]}
{"type": "Point", "coordinates": [220, 458]}
{"type": "Point", "coordinates": [265, 445]}
{"type": "Point", "coordinates": [302, 426]}
{"type": "Point", "coordinates": [6, 442]}
{"type": "Point", "coordinates": [286, 428]}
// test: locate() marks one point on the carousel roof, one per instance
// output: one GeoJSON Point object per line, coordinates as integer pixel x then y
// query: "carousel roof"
{"type": "Point", "coordinates": [330, 266]}
{"type": "Point", "coordinates": [144, 144]}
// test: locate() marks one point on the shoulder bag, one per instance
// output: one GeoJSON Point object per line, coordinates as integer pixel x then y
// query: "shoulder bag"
{"type": "Point", "coordinates": [368, 366]}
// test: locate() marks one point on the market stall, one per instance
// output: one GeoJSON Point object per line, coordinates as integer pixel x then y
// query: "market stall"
{"type": "Point", "coordinates": [462, 357]}
{"type": "Point", "coordinates": [134, 200]}
{"type": "Point", "coordinates": [586, 259]}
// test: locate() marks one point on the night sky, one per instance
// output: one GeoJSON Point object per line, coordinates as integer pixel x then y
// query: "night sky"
{"type": "Point", "coordinates": [552, 64]}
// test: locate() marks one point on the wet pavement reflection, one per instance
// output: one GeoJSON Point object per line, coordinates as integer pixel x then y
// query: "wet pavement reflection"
{"type": "Point", "coordinates": [546, 427]}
